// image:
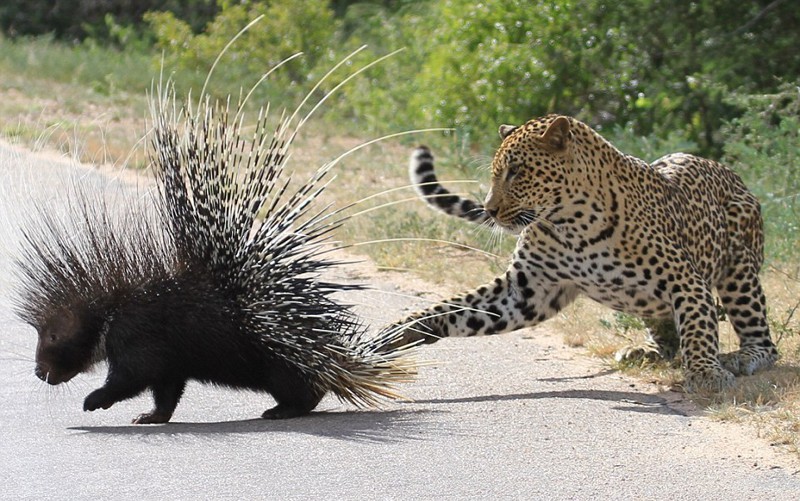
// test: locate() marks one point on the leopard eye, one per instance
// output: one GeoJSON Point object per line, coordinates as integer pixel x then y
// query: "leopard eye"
{"type": "Point", "coordinates": [513, 170]}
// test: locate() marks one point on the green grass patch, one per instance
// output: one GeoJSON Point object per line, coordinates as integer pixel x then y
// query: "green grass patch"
{"type": "Point", "coordinates": [101, 70]}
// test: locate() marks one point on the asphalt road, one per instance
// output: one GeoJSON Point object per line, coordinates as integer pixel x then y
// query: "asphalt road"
{"type": "Point", "coordinates": [516, 416]}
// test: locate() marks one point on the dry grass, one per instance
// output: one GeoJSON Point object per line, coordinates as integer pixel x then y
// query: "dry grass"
{"type": "Point", "coordinates": [105, 129]}
{"type": "Point", "coordinates": [93, 128]}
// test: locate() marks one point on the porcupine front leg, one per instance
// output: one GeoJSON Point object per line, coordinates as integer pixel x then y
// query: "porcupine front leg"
{"type": "Point", "coordinates": [166, 395]}
{"type": "Point", "coordinates": [520, 298]}
{"type": "Point", "coordinates": [120, 385]}
{"type": "Point", "coordinates": [118, 388]}
{"type": "Point", "coordinates": [132, 369]}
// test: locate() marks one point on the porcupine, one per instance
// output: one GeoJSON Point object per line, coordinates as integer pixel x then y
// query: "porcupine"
{"type": "Point", "coordinates": [219, 282]}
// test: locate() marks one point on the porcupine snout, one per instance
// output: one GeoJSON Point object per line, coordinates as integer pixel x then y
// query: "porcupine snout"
{"type": "Point", "coordinates": [43, 369]}
{"type": "Point", "coordinates": [46, 373]}
{"type": "Point", "coordinates": [66, 347]}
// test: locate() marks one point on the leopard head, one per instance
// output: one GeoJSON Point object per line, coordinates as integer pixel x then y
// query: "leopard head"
{"type": "Point", "coordinates": [529, 172]}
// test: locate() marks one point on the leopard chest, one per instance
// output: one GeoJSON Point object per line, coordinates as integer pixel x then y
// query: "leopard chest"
{"type": "Point", "coordinates": [601, 272]}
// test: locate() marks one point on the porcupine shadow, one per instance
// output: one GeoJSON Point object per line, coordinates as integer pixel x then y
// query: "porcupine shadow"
{"type": "Point", "coordinates": [375, 426]}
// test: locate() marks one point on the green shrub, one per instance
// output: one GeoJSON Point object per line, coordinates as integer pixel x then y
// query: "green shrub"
{"type": "Point", "coordinates": [649, 147]}
{"type": "Point", "coordinates": [285, 29]}
{"type": "Point", "coordinates": [651, 66]}
{"type": "Point", "coordinates": [476, 65]}
{"type": "Point", "coordinates": [762, 145]}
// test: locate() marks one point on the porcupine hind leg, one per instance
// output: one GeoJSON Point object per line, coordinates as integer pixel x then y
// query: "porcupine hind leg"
{"type": "Point", "coordinates": [166, 395]}
{"type": "Point", "coordinates": [294, 394]}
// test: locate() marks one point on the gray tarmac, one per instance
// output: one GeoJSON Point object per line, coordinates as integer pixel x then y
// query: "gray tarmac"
{"type": "Point", "coordinates": [517, 416]}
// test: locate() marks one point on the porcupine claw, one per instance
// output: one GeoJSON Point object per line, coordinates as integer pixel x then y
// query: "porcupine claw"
{"type": "Point", "coordinates": [151, 418]}
{"type": "Point", "coordinates": [283, 411]}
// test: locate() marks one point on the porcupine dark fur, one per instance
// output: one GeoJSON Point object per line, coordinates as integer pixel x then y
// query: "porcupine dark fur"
{"type": "Point", "coordinates": [219, 281]}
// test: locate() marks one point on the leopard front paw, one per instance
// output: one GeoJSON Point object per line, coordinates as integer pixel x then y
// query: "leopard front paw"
{"type": "Point", "coordinates": [410, 333]}
{"type": "Point", "coordinates": [708, 380]}
{"type": "Point", "coordinates": [661, 343]}
{"type": "Point", "coordinates": [746, 361]}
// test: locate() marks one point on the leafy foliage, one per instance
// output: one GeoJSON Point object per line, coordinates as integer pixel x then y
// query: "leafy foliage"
{"type": "Point", "coordinates": [286, 29]}
{"type": "Point", "coordinates": [650, 66]}
{"type": "Point", "coordinates": [762, 145]}
{"type": "Point", "coordinates": [661, 68]}
{"type": "Point", "coordinates": [79, 19]}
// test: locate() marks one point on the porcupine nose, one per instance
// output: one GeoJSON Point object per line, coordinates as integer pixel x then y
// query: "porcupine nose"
{"type": "Point", "coordinates": [44, 372]}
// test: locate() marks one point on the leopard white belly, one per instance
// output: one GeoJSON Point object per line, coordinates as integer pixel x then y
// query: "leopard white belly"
{"type": "Point", "coordinates": [639, 301]}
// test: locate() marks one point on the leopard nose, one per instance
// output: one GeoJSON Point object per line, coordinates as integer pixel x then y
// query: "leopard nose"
{"type": "Point", "coordinates": [492, 211]}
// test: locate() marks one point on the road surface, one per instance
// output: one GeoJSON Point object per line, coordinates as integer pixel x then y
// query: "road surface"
{"type": "Point", "coordinates": [518, 416]}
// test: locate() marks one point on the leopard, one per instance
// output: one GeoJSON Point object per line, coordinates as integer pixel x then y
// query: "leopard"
{"type": "Point", "coordinates": [654, 240]}
{"type": "Point", "coordinates": [661, 338]}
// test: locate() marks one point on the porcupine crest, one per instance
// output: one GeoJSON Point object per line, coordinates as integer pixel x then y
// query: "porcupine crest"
{"type": "Point", "coordinates": [225, 215]}
{"type": "Point", "coordinates": [88, 262]}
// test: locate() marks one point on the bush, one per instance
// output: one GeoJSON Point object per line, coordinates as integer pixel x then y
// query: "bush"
{"type": "Point", "coordinates": [650, 147]}
{"type": "Point", "coordinates": [477, 65]}
{"type": "Point", "coordinates": [286, 28]}
{"type": "Point", "coordinates": [651, 66]}
{"type": "Point", "coordinates": [762, 145]}
{"type": "Point", "coordinates": [80, 19]}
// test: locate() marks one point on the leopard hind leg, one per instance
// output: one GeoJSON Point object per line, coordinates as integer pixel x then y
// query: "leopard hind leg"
{"type": "Point", "coordinates": [743, 299]}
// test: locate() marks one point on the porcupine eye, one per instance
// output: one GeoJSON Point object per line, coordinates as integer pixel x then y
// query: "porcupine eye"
{"type": "Point", "coordinates": [48, 336]}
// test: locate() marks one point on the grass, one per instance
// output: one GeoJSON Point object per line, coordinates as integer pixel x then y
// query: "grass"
{"type": "Point", "coordinates": [90, 104]}
{"type": "Point", "coordinates": [66, 99]}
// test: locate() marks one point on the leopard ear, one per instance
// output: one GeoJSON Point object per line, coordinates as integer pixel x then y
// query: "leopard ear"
{"type": "Point", "coordinates": [557, 134]}
{"type": "Point", "coordinates": [505, 130]}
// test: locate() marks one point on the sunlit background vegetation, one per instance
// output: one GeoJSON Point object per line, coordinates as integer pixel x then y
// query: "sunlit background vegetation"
{"type": "Point", "coordinates": [714, 77]}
